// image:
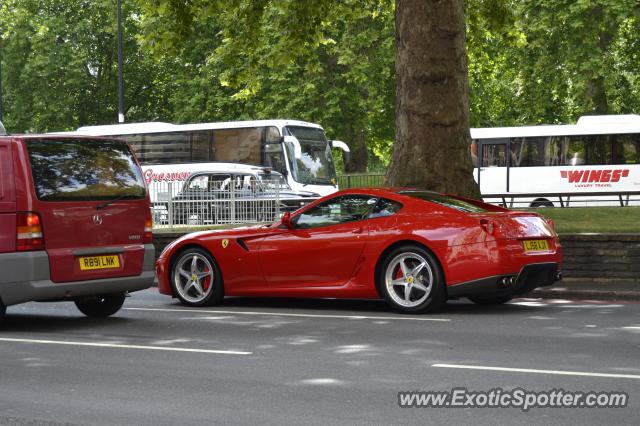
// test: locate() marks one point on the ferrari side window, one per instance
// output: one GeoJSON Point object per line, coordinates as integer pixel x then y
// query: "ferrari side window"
{"type": "Point", "coordinates": [346, 208]}
{"type": "Point", "coordinates": [384, 208]}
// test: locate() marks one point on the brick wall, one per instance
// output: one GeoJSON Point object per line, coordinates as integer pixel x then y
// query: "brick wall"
{"type": "Point", "coordinates": [602, 256]}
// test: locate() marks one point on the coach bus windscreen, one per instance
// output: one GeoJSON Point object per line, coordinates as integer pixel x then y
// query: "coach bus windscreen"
{"type": "Point", "coordinates": [315, 167]}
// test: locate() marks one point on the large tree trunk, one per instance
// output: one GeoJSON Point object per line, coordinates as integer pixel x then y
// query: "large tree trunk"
{"type": "Point", "coordinates": [432, 143]}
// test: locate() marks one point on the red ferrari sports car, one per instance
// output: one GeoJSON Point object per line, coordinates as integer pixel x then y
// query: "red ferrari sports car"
{"type": "Point", "coordinates": [412, 248]}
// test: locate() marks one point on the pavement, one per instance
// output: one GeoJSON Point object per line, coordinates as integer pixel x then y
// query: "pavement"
{"type": "Point", "coordinates": [284, 361]}
{"type": "Point", "coordinates": [591, 289]}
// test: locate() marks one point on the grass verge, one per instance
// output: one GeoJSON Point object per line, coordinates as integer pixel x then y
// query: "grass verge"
{"type": "Point", "coordinates": [624, 220]}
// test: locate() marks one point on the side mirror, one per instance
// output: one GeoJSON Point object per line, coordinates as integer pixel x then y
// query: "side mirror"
{"type": "Point", "coordinates": [346, 152]}
{"type": "Point", "coordinates": [286, 220]}
{"type": "Point", "coordinates": [340, 145]}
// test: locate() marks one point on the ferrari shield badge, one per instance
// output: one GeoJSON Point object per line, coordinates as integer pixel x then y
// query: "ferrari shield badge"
{"type": "Point", "coordinates": [225, 243]}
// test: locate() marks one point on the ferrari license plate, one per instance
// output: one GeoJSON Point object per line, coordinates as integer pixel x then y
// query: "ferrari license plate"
{"type": "Point", "coordinates": [532, 246]}
{"type": "Point", "coordinates": [88, 263]}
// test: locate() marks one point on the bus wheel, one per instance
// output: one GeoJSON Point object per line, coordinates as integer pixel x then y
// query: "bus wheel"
{"type": "Point", "coordinates": [541, 203]}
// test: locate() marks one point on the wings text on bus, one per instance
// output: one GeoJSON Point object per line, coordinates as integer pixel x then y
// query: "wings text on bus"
{"type": "Point", "coordinates": [594, 176]}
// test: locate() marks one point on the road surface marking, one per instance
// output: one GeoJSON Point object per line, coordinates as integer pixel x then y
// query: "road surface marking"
{"type": "Point", "coordinates": [205, 311]}
{"type": "Point", "coordinates": [529, 370]}
{"type": "Point", "coordinates": [632, 328]}
{"type": "Point", "coordinates": [119, 346]}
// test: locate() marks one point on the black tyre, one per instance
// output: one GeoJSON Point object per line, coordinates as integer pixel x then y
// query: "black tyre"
{"type": "Point", "coordinates": [541, 203]}
{"type": "Point", "coordinates": [411, 281]}
{"type": "Point", "coordinates": [491, 300]}
{"type": "Point", "coordinates": [196, 279]}
{"type": "Point", "coordinates": [101, 306]}
{"type": "Point", "coordinates": [3, 310]}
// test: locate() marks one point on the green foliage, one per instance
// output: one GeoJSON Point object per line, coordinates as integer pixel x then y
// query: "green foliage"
{"type": "Point", "coordinates": [325, 62]}
{"type": "Point", "coordinates": [330, 62]}
{"type": "Point", "coordinates": [551, 61]}
{"type": "Point", "coordinates": [60, 66]}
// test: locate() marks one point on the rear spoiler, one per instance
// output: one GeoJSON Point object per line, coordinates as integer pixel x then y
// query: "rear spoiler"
{"type": "Point", "coordinates": [486, 206]}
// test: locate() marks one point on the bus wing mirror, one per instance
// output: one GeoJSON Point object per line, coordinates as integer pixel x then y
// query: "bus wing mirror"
{"type": "Point", "coordinates": [344, 147]}
{"type": "Point", "coordinates": [340, 145]}
{"type": "Point", "coordinates": [297, 149]}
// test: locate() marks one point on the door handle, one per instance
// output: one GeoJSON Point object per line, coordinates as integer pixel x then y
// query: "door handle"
{"type": "Point", "coordinates": [357, 231]}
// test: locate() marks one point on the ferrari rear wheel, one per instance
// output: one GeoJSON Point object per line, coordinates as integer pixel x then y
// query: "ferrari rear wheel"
{"type": "Point", "coordinates": [490, 300]}
{"type": "Point", "coordinates": [411, 281]}
{"type": "Point", "coordinates": [196, 278]}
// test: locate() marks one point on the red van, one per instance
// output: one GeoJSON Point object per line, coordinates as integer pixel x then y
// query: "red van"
{"type": "Point", "coordinates": [75, 222]}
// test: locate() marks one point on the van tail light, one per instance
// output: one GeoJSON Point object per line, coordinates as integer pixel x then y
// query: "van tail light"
{"type": "Point", "coordinates": [29, 234]}
{"type": "Point", "coordinates": [148, 229]}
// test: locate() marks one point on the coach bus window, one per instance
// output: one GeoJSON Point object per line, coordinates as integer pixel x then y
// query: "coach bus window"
{"type": "Point", "coordinates": [598, 150]}
{"type": "Point", "coordinates": [494, 155]}
{"type": "Point", "coordinates": [242, 145]}
{"type": "Point", "coordinates": [316, 165]}
{"type": "Point", "coordinates": [170, 148]}
{"type": "Point", "coordinates": [536, 151]}
{"type": "Point", "coordinates": [273, 152]}
{"type": "Point", "coordinates": [572, 149]}
{"type": "Point", "coordinates": [626, 149]}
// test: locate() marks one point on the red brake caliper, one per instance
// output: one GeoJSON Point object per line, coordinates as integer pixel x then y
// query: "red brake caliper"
{"type": "Point", "coordinates": [207, 281]}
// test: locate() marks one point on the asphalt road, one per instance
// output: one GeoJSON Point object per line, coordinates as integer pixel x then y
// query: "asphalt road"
{"type": "Point", "coordinates": [310, 362]}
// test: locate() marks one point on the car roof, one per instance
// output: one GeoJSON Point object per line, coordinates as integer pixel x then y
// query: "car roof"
{"type": "Point", "coordinates": [236, 170]}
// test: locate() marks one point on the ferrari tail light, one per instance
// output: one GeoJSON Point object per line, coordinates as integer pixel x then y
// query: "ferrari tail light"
{"type": "Point", "coordinates": [487, 225]}
{"type": "Point", "coordinates": [551, 224]}
{"type": "Point", "coordinates": [148, 229]}
{"type": "Point", "coordinates": [29, 234]}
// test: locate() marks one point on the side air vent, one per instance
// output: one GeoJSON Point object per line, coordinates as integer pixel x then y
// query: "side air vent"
{"type": "Point", "coordinates": [243, 245]}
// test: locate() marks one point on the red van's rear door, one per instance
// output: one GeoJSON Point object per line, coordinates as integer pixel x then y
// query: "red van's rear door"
{"type": "Point", "coordinates": [93, 205]}
{"type": "Point", "coordinates": [7, 199]}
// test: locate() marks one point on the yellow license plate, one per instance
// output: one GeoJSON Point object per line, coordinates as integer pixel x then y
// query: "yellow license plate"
{"type": "Point", "coordinates": [88, 263]}
{"type": "Point", "coordinates": [535, 245]}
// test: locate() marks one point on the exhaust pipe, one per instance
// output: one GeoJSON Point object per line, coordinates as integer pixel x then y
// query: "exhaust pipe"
{"type": "Point", "coordinates": [508, 281]}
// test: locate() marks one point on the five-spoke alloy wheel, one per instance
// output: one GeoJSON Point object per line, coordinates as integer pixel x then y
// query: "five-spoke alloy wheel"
{"type": "Point", "coordinates": [410, 279]}
{"type": "Point", "coordinates": [196, 279]}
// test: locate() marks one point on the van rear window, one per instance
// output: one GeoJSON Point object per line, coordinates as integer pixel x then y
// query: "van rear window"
{"type": "Point", "coordinates": [84, 170]}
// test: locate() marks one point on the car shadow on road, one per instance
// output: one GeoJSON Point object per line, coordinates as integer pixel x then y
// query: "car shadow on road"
{"type": "Point", "coordinates": [366, 307]}
{"type": "Point", "coordinates": [26, 322]}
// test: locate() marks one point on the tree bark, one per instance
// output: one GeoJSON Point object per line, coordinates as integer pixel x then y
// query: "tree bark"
{"type": "Point", "coordinates": [432, 146]}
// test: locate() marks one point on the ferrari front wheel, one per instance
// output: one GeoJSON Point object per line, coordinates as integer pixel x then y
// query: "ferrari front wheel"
{"type": "Point", "coordinates": [196, 278]}
{"type": "Point", "coordinates": [411, 281]}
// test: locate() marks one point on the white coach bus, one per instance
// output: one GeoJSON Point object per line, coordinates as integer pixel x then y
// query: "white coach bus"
{"type": "Point", "coordinates": [593, 162]}
{"type": "Point", "coordinates": [170, 152]}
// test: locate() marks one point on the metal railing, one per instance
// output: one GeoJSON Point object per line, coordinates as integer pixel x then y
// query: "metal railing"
{"type": "Point", "coordinates": [217, 203]}
{"type": "Point", "coordinates": [370, 180]}
{"type": "Point", "coordinates": [564, 199]}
